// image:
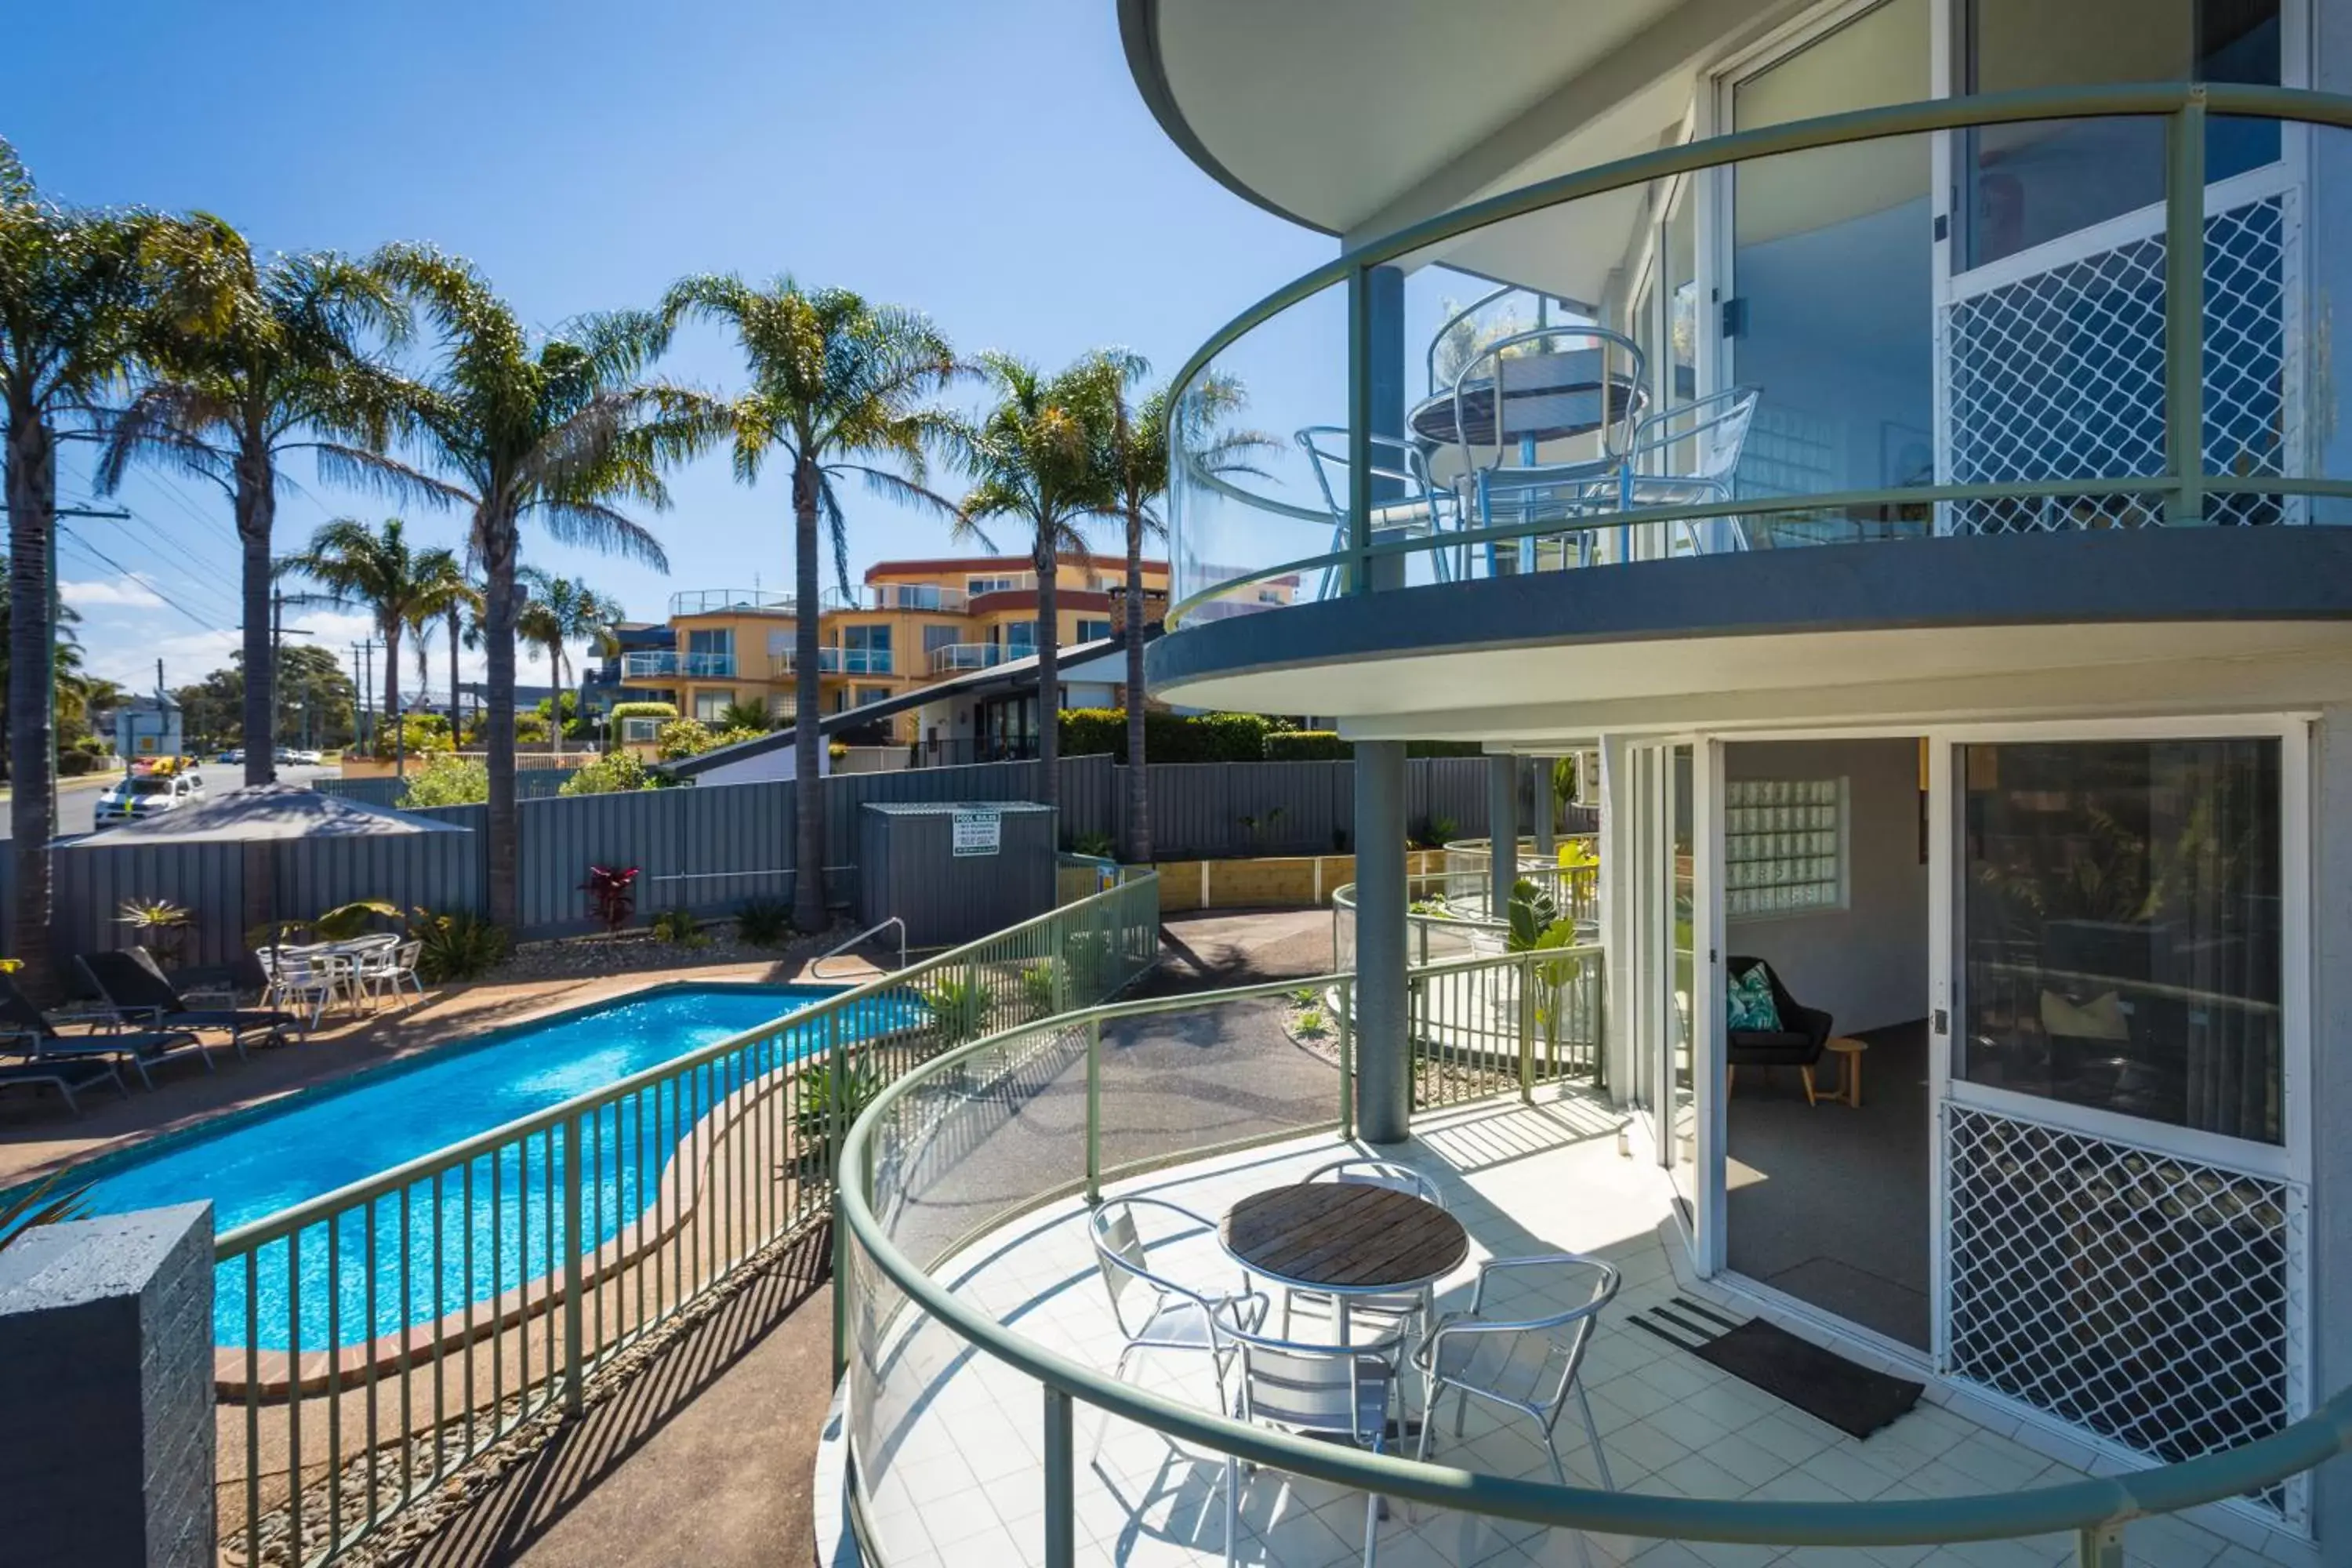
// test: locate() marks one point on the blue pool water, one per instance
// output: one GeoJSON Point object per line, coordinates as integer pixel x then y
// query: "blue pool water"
{"type": "Point", "coordinates": [495, 1224]}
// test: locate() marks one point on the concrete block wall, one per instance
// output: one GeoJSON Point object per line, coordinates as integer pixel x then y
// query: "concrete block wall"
{"type": "Point", "coordinates": [106, 1356]}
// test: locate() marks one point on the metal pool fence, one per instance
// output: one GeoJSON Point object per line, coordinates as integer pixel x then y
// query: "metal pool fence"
{"type": "Point", "coordinates": [377, 1337]}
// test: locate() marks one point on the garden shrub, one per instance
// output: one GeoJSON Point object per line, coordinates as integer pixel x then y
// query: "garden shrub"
{"type": "Point", "coordinates": [615, 773]}
{"type": "Point", "coordinates": [447, 780]}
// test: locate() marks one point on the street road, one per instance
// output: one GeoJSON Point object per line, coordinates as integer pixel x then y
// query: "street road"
{"type": "Point", "coordinates": [78, 801]}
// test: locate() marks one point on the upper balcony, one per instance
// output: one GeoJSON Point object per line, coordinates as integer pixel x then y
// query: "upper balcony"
{"type": "Point", "coordinates": [899, 597]}
{"type": "Point", "coordinates": [730, 601]}
{"type": "Point", "coordinates": [836, 662]}
{"type": "Point", "coordinates": [668, 664]}
{"type": "Point", "coordinates": [1719, 383]}
{"type": "Point", "coordinates": [963, 656]}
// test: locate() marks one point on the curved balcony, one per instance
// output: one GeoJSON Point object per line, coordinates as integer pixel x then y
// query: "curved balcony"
{"type": "Point", "coordinates": [977, 1323]}
{"type": "Point", "coordinates": [2096, 431]}
{"type": "Point", "coordinates": [724, 601]}
{"type": "Point", "coordinates": [898, 597]}
{"type": "Point", "coordinates": [963, 656]}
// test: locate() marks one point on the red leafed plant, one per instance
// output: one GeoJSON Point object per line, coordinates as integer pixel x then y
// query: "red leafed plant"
{"type": "Point", "coordinates": [612, 893]}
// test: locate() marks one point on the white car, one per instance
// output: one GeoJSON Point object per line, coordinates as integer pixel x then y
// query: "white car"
{"type": "Point", "coordinates": [149, 794]}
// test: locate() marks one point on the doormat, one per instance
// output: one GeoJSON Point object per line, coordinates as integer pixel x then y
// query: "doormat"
{"type": "Point", "coordinates": [1850, 1397]}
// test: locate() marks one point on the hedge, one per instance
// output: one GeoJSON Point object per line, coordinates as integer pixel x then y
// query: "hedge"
{"type": "Point", "coordinates": [1171, 737]}
{"type": "Point", "coordinates": [1329, 746]}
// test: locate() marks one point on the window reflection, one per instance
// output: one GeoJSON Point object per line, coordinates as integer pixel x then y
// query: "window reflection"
{"type": "Point", "coordinates": [2121, 926]}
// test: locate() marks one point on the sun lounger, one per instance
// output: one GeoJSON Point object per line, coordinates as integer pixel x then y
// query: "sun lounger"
{"type": "Point", "coordinates": [23, 1030]}
{"type": "Point", "coordinates": [141, 994]}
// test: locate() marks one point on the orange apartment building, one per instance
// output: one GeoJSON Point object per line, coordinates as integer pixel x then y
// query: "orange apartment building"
{"type": "Point", "coordinates": [912, 623]}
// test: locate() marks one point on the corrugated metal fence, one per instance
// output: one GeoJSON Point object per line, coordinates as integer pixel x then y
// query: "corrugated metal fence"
{"type": "Point", "coordinates": [709, 847]}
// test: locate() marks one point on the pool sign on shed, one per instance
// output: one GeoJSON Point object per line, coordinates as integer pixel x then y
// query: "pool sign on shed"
{"type": "Point", "coordinates": [979, 832]}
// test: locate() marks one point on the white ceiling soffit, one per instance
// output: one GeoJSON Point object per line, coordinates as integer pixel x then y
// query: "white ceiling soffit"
{"type": "Point", "coordinates": [1331, 114]}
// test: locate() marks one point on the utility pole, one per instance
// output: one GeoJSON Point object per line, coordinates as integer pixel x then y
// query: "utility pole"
{"type": "Point", "coordinates": [278, 632]}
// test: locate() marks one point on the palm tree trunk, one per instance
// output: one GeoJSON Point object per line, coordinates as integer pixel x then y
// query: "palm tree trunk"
{"type": "Point", "coordinates": [1049, 675]}
{"type": "Point", "coordinates": [1139, 782]}
{"type": "Point", "coordinates": [392, 695]}
{"type": "Point", "coordinates": [32, 490]}
{"type": "Point", "coordinates": [499, 543]}
{"type": "Point", "coordinates": [457, 631]}
{"type": "Point", "coordinates": [808, 789]}
{"type": "Point", "coordinates": [257, 513]}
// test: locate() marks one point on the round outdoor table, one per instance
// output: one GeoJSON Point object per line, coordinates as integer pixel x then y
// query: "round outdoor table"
{"type": "Point", "coordinates": [1550, 397]}
{"type": "Point", "coordinates": [1344, 1239]}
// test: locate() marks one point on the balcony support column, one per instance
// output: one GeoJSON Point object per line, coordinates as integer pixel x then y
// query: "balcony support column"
{"type": "Point", "coordinates": [1546, 811]}
{"type": "Point", "coordinates": [1383, 1048]}
{"type": "Point", "coordinates": [1502, 833]}
{"type": "Point", "coordinates": [1376, 362]}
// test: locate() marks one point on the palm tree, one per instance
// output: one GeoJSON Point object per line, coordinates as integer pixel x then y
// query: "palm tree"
{"type": "Point", "coordinates": [1035, 456]}
{"type": "Point", "coordinates": [377, 570]}
{"type": "Point", "coordinates": [74, 288]}
{"type": "Point", "coordinates": [447, 595]}
{"type": "Point", "coordinates": [559, 432]}
{"type": "Point", "coordinates": [1135, 459]}
{"type": "Point", "coordinates": [839, 387]}
{"type": "Point", "coordinates": [285, 366]}
{"type": "Point", "coordinates": [560, 611]}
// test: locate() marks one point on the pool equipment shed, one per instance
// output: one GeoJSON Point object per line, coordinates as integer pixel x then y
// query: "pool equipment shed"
{"type": "Point", "coordinates": [954, 871]}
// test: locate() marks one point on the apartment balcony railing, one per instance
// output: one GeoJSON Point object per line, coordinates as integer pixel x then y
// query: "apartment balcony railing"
{"type": "Point", "coordinates": [967, 1342]}
{"type": "Point", "coordinates": [718, 601]}
{"type": "Point", "coordinates": [2013, 372]}
{"type": "Point", "coordinates": [836, 662]}
{"type": "Point", "coordinates": [898, 597]}
{"type": "Point", "coordinates": [963, 656]}
{"type": "Point", "coordinates": [668, 664]}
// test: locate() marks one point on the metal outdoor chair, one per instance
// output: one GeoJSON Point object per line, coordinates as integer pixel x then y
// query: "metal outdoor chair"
{"type": "Point", "coordinates": [1329, 1391]}
{"type": "Point", "coordinates": [1404, 1311]}
{"type": "Point", "coordinates": [1527, 1365]}
{"type": "Point", "coordinates": [1705, 437]}
{"type": "Point", "coordinates": [1528, 387]}
{"type": "Point", "coordinates": [1416, 508]}
{"type": "Point", "coordinates": [1168, 1316]}
{"type": "Point", "coordinates": [312, 980]}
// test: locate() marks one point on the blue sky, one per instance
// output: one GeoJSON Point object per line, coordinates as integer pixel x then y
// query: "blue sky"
{"type": "Point", "coordinates": [992, 165]}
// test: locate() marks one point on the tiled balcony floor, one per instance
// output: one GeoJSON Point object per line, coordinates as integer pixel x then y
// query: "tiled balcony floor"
{"type": "Point", "coordinates": [954, 1480]}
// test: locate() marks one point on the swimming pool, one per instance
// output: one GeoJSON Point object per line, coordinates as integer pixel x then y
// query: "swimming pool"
{"type": "Point", "coordinates": [494, 1224]}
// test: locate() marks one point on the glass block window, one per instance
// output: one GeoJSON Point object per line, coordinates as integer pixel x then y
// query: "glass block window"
{"type": "Point", "coordinates": [1784, 845]}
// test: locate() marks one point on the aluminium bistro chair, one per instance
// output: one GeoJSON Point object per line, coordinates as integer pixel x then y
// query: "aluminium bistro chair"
{"type": "Point", "coordinates": [1417, 508]}
{"type": "Point", "coordinates": [1524, 1364]}
{"type": "Point", "coordinates": [375, 966]}
{"type": "Point", "coordinates": [139, 993]}
{"type": "Point", "coordinates": [1803, 1034]}
{"type": "Point", "coordinates": [1172, 1317]}
{"type": "Point", "coordinates": [309, 979]}
{"type": "Point", "coordinates": [1710, 432]}
{"type": "Point", "coordinates": [1346, 1392]}
{"type": "Point", "coordinates": [1405, 1311]}
{"type": "Point", "coordinates": [1538, 385]}
{"type": "Point", "coordinates": [34, 1036]}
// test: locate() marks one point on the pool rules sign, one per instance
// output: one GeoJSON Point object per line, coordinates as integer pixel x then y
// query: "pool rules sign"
{"type": "Point", "coordinates": [979, 832]}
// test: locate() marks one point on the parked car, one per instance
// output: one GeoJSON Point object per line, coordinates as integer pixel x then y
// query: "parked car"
{"type": "Point", "coordinates": [149, 794]}
{"type": "Point", "coordinates": [233, 754]}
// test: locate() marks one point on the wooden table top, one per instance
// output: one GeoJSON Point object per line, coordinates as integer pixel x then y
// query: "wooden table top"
{"type": "Point", "coordinates": [1344, 1236]}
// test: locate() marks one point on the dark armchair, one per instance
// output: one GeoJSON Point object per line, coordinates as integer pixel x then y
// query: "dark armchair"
{"type": "Point", "coordinates": [1798, 1043]}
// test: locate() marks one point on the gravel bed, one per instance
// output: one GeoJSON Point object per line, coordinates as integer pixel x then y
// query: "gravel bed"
{"type": "Point", "coordinates": [571, 958]}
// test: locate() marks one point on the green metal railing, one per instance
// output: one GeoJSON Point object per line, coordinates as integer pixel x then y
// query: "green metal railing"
{"type": "Point", "coordinates": [420, 1316]}
{"type": "Point", "coordinates": [2182, 488]}
{"type": "Point", "coordinates": [980, 1080]}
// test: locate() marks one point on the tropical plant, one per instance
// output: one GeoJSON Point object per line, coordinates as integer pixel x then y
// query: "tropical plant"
{"type": "Point", "coordinates": [417, 735]}
{"type": "Point", "coordinates": [345, 921]}
{"type": "Point", "coordinates": [447, 595]}
{"type": "Point", "coordinates": [839, 387]}
{"type": "Point", "coordinates": [816, 1120]}
{"type": "Point", "coordinates": [41, 1204]}
{"type": "Point", "coordinates": [280, 360]}
{"type": "Point", "coordinates": [1257, 827]}
{"type": "Point", "coordinates": [1311, 1024]}
{"type": "Point", "coordinates": [1102, 845]}
{"type": "Point", "coordinates": [557, 433]}
{"type": "Point", "coordinates": [1533, 912]}
{"type": "Point", "coordinates": [76, 295]}
{"type": "Point", "coordinates": [679, 928]}
{"type": "Point", "coordinates": [764, 922]}
{"type": "Point", "coordinates": [614, 773]}
{"type": "Point", "coordinates": [1134, 455]}
{"type": "Point", "coordinates": [1034, 457]}
{"type": "Point", "coordinates": [683, 737]}
{"type": "Point", "coordinates": [158, 925]}
{"type": "Point", "coordinates": [748, 716]}
{"type": "Point", "coordinates": [1039, 991]}
{"type": "Point", "coordinates": [459, 945]}
{"type": "Point", "coordinates": [960, 1007]}
{"type": "Point", "coordinates": [378, 570]}
{"type": "Point", "coordinates": [612, 895]}
{"type": "Point", "coordinates": [558, 612]}
{"type": "Point", "coordinates": [619, 711]}
{"type": "Point", "coordinates": [447, 778]}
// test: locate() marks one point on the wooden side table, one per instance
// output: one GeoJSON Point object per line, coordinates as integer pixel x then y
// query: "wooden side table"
{"type": "Point", "coordinates": [1848, 1052]}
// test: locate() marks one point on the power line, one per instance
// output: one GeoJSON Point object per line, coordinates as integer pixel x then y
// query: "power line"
{"type": "Point", "coordinates": [67, 536]}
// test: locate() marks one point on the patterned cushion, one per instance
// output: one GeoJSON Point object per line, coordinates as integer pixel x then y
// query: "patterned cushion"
{"type": "Point", "coordinates": [1753, 1011]}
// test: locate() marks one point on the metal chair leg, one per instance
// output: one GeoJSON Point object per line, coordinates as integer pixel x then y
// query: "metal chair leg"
{"type": "Point", "coordinates": [1593, 1435]}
